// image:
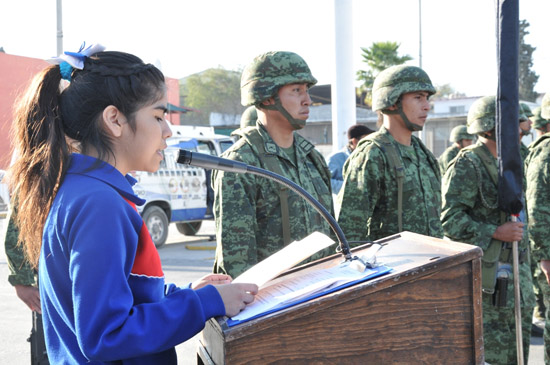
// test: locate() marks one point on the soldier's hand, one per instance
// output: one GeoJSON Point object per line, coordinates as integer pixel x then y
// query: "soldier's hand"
{"type": "Point", "coordinates": [30, 295]}
{"type": "Point", "coordinates": [212, 279]}
{"type": "Point", "coordinates": [509, 232]}
{"type": "Point", "coordinates": [545, 267]}
{"type": "Point", "coordinates": [236, 296]}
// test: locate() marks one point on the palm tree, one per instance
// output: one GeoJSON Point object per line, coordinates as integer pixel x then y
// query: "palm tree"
{"type": "Point", "coordinates": [378, 57]}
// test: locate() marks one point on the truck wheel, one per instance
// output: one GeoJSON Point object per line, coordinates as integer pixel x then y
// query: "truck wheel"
{"type": "Point", "coordinates": [157, 223]}
{"type": "Point", "coordinates": [189, 229]}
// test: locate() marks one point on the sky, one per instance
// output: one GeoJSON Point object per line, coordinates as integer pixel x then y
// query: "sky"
{"type": "Point", "coordinates": [188, 36]}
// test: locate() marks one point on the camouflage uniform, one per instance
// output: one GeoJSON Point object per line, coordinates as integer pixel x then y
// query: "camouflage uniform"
{"type": "Point", "coordinates": [470, 214]}
{"type": "Point", "coordinates": [523, 151]}
{"type": "Point", "coordinates": [538, 206]}
{"type": "Point", "coordinates": [538, 121]}
{"type": "Point", "coordinates": [250, 223]}
{"type": "Point", "coordinates": [22, 273]}
{"type": "Point", "coordinates": [446, 157]}
{"type": "Point", "coordinates": [248, 210]}
{"type": "Point", "coordinates": [368, 198]}
{"type": "Point", "coordinates": [458, 134]}
{"type": "Point", "coordinates": [249, 117]}
{"type": "Point", "coordinates": [370, 194]}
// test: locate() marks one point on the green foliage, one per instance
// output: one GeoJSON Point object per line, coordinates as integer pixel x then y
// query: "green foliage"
{"type": "Point", "coordinates": [378, 57]}
{"type": "Point", "coordinates": [527, 77]}
{"type": "Point", "coordinates": [213, 90]}
{"type": "Point", "coordinates": [446, 91]}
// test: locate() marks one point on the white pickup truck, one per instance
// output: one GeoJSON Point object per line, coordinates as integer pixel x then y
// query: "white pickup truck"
{"type": "Point", "coordinates": [178, 193]}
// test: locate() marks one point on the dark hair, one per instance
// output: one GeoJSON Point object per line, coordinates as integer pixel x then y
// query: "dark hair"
{"type": "Point", "coordinates": [46, 115]}
{"type": "Point", "coordinates": [358, 130]}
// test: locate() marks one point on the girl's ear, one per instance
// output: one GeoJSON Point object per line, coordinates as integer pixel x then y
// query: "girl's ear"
{"type": "Point", "coordinates": [114, 120]}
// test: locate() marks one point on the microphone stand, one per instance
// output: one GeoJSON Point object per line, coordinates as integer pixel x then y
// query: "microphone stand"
{"type": "Point", "coordinates": [212, 162]}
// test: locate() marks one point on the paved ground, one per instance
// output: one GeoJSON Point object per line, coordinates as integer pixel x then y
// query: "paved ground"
{"type": "Point", "coordinates": [184, 259]}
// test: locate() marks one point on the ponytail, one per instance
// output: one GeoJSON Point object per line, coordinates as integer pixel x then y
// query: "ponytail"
{"type": "Point", "coordinates": [42, 158]}
{"type": "Point", "coordinates": [46, 116]}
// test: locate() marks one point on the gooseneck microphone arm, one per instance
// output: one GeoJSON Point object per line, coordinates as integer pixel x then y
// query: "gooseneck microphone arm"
{"type": "Point", "coordinates": [218, 163]}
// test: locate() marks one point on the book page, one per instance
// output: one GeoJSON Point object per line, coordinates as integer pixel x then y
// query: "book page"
{"type": "Point", "coordinates": [284, 259]}
{"type": "Point", "coordinates": [297, 288]}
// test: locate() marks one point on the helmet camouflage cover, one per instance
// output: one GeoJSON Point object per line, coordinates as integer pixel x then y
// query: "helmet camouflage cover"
{"type": "Point", "coordinates": [545, 107]}
{"type": "Point", "coordinates": [459, 133]}
{"type": "Point", "coordinates": [524, 112]}
{"type": "Point", "coordinates": [538, 120]}
{"type": "Point", "coordinates": [263, 77]}
{"type": "Point", "coordinates": [249, 117]}
{"type": "Point", "coordinates": [481, 116]}
{"type": "Point", "coordinates": [395, 81]}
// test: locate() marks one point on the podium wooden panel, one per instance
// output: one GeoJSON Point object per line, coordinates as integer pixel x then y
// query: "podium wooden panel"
{"type": "Point", "coordinates": [427, 310]}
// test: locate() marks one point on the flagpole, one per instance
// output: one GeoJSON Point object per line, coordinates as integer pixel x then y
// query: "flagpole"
{"type": "Point", "coordinates": [517, 299]}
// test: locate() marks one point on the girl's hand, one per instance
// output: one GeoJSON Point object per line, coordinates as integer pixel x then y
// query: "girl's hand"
{"type": "Point", "coordinates": [211, 279]}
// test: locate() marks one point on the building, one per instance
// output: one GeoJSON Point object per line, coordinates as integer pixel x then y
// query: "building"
{"type": "Point", "coordinates": [16, 73]}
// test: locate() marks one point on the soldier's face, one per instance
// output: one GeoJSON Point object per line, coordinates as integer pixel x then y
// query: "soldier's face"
{"type": "Point", "coordinates": [295, 99]}
{"type": "Point", "coordinates": [416, 106]}
{"type": "Point", "coordinates": [525, 126]}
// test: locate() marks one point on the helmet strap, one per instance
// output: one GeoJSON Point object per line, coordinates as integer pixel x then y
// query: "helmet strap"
{"type": "Point", "coordinates": [491, 136]}
{"type": "Point", "coordinates": [410, 126]}
{"type": "Point", "coordinates": [525, 133]}
{"type": "Point", "coordinates": [278, 106]}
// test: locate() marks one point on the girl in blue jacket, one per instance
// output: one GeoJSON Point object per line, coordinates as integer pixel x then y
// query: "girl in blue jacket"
{"type": "Point", "coordinates": [102, 287]}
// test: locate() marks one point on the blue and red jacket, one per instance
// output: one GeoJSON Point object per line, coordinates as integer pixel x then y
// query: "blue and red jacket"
{"type": "Point", "coordinates": [101, 283]}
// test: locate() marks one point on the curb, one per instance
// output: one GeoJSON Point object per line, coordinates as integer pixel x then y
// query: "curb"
{"type": "Point", "coordinates": [200, 248]}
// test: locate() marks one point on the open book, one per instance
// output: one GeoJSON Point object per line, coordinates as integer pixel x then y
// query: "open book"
{"type": "Point", "coordinates": [287, 291]}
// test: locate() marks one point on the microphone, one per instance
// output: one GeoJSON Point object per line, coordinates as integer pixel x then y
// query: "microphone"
{"type": "Point", "coordinates": [212, 162]}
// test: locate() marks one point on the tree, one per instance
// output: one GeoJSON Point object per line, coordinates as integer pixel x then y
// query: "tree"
{"type": "Point", "coordinates": [213, 90]}
{"type": "Point", "coordinates": [446, 91]}
{"type": "Point", "coordinates": [527, 77]}
{"type": "Point", "coordinates": [378, 57]}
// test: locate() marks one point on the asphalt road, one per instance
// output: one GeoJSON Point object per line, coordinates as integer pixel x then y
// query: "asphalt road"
{"type": "Point", "coordinates": [184, 260]}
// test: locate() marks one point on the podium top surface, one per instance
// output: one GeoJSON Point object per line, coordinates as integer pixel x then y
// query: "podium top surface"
{"type": "Point", "coordinates": [410, 255]}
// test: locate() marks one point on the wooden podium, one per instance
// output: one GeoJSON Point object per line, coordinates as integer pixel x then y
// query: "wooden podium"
{"type": "Point", "coordinates": [427, 310]}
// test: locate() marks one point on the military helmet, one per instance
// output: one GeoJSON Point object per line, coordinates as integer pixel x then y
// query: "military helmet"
{"type": "Point", "coordinates": [459, 133]}
{"type": "Point", "coordinates": [263, 77]}
{"type": "Point", "coordinates": [395, 81]}
{"type": "Point", "coordinates": [545, 107]}
{"type": "Point", "coordinates": [538, 120]}
{"type": "Point", "coordinates": [481, 116]}
{"type": "Point", "coordinates": [249, 117]}
{"type": "Point", "coordinates": [524, 112]}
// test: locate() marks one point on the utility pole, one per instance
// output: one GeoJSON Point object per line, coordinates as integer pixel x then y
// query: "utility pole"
{"type": "Point", "coordinates": [59, 14]}
{"type": "Point", "coordinates": [420, 33]}
{"type": "Point", "coordinates": [421, 134]}
{"type": "Point", "coordinates": [343, 90]}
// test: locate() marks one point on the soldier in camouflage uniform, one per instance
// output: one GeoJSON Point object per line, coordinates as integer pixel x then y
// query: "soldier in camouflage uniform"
{"type": "Point", "coordinates": [524, 128]}
{"type": "Point", "coordinates": [24, 279]}
{"type": "Point", "coordinates": [255, 216]}
{"type": "Point", "coordinates": [541, 125]}
{"type": "Point", "coordinates": [248, 119]}
{"type": "Point", "coordinates": [459, 138]}
{"type": "Point", "coordinates": [392, 181]}
{"type": "Point", "coordinates": [538, 207]}
{"type": "Point", "coordinates": [470, 214]}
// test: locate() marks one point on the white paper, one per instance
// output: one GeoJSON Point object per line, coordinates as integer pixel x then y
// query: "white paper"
{"type": "Point", "coordinates": [284, 259]}
{"type": "Point", "coordinates": [296, 288]}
